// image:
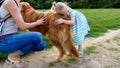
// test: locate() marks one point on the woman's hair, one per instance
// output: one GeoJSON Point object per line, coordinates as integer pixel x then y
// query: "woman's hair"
{"type": "Point", "coordinates": [57, 7]}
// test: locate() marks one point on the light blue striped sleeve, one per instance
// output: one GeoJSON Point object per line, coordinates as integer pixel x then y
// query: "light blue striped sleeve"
{"type": "Point", "coordinates": [72, 14]}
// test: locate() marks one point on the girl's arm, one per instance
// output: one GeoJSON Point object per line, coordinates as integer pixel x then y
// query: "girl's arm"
{"type": "Point", "coordinates": [69, 22]}
{"type": "Point", "coordinates": [15, 13]}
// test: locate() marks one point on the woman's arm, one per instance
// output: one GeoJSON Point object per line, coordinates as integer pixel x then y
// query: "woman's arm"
{"type": "Point", "coordinates": [69, 22]}
{"type": "Point", "coordinates": [15, 13]}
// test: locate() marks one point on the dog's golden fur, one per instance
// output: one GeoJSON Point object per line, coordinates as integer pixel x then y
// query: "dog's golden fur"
{"type": "Point", "coordinates": [59, 35]}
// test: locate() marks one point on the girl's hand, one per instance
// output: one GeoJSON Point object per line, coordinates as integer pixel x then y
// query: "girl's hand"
{"type": "Point", "coordinates": [40, 21]}
{"type": "Point", "coordinates": [60, 21]}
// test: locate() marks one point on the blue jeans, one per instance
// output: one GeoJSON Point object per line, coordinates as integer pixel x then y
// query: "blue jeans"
{"type": "Point", "coordinates": [22, 43]}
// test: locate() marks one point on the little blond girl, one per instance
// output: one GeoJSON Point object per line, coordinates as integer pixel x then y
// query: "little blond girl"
{"type": "Point", "coordinates": [78, 22]}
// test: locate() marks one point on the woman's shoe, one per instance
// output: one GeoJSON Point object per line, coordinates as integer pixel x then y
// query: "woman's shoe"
{"type": "Point", "coordinates": [16, 64]}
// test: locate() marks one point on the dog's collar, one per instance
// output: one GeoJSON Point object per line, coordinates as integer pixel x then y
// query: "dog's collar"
{"type": "Point", "coordinates": [29, 9]}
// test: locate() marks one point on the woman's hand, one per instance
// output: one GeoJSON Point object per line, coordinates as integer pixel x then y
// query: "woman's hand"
{"type": "Point", "coordinates": [60, 21]}
{"type": "Point", "coordinates": [40, 21]}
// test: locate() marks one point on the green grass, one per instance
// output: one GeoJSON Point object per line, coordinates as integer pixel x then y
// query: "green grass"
{"type": "Point", "coordinates": [108, 41]}
{"type": "Point", "coordinates": [72, 60]}
{"type": "Point", "coordinates": [101, 45]}
{"type": "Point", "coordinates": [51, 64]}
{"type": "Point", "coordinates": [67, 64]}
{"type": "Point", "coordinates": [89, 50]}
{"type": "Point", "coordinates": [100, 20]}
{"type": "Point", "coordinates": [118, 43]}
{"type": "Point", "coordinates": [113, 49]}
{"type": "Point", "coordinates": [116, 57]}
{"type": "Point", "coordinates": [117, 38]}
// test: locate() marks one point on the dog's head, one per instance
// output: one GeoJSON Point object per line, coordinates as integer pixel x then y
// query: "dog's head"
{"type": "Point", "coordinates": [24, 6]}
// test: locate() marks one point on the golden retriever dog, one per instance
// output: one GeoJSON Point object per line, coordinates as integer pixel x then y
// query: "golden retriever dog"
{"type": "Point", "coordinates": [59, 35]}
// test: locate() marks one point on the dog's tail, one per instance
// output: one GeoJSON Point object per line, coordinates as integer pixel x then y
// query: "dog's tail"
{"type": "Point", "coordinates": [74, 52]}
{"type": "Point", "coordinates": [71, 48]}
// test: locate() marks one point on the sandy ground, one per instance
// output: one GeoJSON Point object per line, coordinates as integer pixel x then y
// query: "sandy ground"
{"type": "Point", "coordinates": [105, 55]}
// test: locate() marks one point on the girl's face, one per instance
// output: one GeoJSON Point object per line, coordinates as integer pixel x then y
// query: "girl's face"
{"type": "Point", "coordinates": [65, 11]}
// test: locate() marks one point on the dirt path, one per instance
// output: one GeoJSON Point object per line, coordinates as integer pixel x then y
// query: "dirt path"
{"type": "Point", "coordinates": [106, 54]}
{"type": "Point", "coordinates": [110, 34]}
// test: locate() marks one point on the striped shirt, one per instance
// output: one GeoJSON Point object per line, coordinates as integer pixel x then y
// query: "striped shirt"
{"type": "Point", "coordinates": [80, 28]}
{"type": "Point", "coordinates": [10, 26]}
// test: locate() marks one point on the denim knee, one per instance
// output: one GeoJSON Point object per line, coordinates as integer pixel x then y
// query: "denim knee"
{"type": "Point", "coordinates": [37, 36]}
{"type": "Point", "coordinates": [41, 46]}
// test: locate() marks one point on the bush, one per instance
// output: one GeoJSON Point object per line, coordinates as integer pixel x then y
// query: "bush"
{"type": "Point", "coordinates": [75, 4]}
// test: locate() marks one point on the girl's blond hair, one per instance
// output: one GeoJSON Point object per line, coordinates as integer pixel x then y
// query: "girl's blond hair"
{"type": "Point", "coordinates": [57, 7]}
